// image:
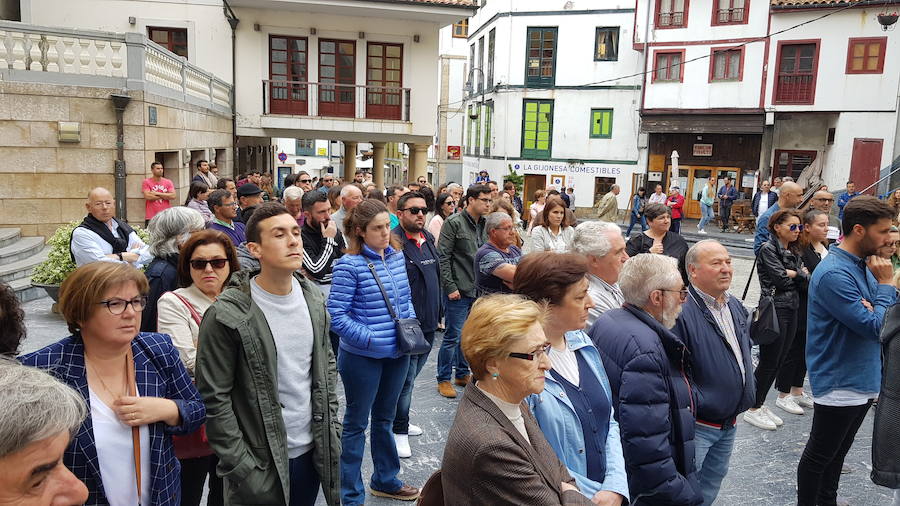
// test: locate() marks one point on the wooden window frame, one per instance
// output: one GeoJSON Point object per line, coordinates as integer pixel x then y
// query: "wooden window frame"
{"type": "Point", "coordinates": [525, 153]}
{"type": "Point", "coordinates": [882, 41]}
{"type": "Point", "coordinates": [601, 135]}
{"type": "Point", "coordinates": [169, 45]}
{"type": "Point", "coordinates": [491, 54]}
{"type": "Point", "coordinates": [541, 82]}
{"type": "Point", "coordinates": [745, 10]}
{"type": "Point", "coordinates": [680, 66]}
{"type": "Point", "coordinates": [815, 70]}
{"type": "Point", "coordinates": [463, 24]}
{"type": "Point", "coordinates": [658, 14]}
{"type": "Point", "coordinates": [597, 42]}
{"type": "Point", "coordinates": [712, 64]}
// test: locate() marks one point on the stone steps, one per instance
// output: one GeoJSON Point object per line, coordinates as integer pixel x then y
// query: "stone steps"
{"type": "Point", "coordinates": [18, 258]}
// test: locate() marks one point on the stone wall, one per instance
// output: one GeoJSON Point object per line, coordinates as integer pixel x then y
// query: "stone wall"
{"type": "Point", "coordinates": [45, 182]}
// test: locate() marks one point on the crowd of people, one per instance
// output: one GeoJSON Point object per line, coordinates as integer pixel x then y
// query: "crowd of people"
{"type": "Point", "coordinates": [597, 367]}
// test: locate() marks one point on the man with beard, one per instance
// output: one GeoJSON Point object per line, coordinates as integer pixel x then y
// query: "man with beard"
{"type": "Point", "coordinates": [849, 293]}
{"type": "Point", "coordinates": [322, 244]}
{"type": "Point", "coordinates": [714, 326]}
{"type": "Point", "coordinates": [652, 397]}
{"type": "Point", "coordinates": [423, 269]}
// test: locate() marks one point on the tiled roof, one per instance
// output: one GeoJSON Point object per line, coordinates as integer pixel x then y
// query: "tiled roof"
{"type": "Point", "coordinates": [811, 3]}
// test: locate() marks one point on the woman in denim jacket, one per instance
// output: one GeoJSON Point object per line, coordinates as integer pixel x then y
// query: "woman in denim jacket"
{"type": "Point", "coordinates": [575, 409]}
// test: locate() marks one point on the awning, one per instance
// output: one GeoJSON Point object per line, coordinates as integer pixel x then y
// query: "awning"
{"type": "Point", "coordinates": [703, 123]}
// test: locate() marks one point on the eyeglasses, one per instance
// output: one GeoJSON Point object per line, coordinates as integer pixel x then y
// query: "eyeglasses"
{"type": "Point", "coordinates": [417, 210]}
{"type": "Point", "coordinates": [200, 264]}
{"type": "Point", "coordinates": [795, 227]}
{"type": "Point", "coordinates": [545, 349]}
{"type": "Point", "coordinates": [306, 180]}
{"type": "Point", "coordinates": [682, 294]}
{"type": "Point", "coordinates": [117, 306]}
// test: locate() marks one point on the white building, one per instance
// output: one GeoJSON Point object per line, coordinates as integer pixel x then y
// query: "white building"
{"type": "Point", "coordinates": [559, 81]}
{"type": "Point", "coordinates": [446, 154]}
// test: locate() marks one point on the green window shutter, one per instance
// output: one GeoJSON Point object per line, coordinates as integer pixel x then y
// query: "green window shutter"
{"type": "Point", "coordinates": [601, 123]}
{"type": "Point", "coordinates": [537, 128]}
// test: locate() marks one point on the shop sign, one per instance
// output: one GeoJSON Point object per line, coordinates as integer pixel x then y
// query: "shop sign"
{"type": "Point", "coordinates": [703, 149]}
{"type": "Point", "coordinates": [564, 168]}
{"type": "Point", "coordinates": [322, 152]}
{"type": "Point", "coordinates": [454, 152]}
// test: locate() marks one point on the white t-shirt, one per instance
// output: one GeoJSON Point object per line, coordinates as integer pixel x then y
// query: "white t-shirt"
{"type": "Point", "coordinates": [115, 456]}
{"type": "Point", "coordinates": [565, 363]}
{"type": "Point", "coordinates": [288, 319]}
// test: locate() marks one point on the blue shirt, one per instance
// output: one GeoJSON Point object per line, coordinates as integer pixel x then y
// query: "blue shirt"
{"type": "Point", "coordinates": [843, 350]}
{"type": "Point", "coordinates": [842, 201]}
{"type": "Point", "coordinates": [762, 228]}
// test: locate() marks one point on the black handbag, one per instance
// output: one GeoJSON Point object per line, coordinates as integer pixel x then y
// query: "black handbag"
{"type": "Point", "coordinates": [764, 328]}
{"type": "Point", "coordinates": [410, 338]}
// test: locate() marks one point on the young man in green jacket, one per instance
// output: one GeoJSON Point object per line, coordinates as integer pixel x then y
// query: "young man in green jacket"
{"type": "Point", "coordinates": [267, 374]}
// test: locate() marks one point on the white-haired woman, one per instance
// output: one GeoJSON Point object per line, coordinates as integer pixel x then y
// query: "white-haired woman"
{"type": "Point", "coordinates": [168, 230]}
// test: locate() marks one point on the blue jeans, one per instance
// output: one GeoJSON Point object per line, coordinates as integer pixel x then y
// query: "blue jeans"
{"type": "Point", "coordinates": [416, 363]}
{"type": "Point", "coordinates": [713, 453]}
{"type": "Point", "coordinates": [371, 386]}
{"type": "Point", "coordinates": [450, 355]}
{"type": "Point", "coordinates": [706, 215]}
{"type": "Point", "coordinates": [634, 220]}
{"type": "Point", "coordinates": [304, 480]}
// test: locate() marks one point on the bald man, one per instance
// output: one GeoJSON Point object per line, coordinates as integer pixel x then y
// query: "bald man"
{"type": "Point", "coordinates": [101, 237]}
{"type": "Point", "coordinates": [823, 200]}
{"type": "Point", "coordinates": [788, 198]}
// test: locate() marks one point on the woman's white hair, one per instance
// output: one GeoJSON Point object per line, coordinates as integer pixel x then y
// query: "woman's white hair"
{"type": "Point", "coordinates": [171, 227]}
{"type": "Point", "coordinates": [646, 272]}
{"type": "Point", "coordinates": [592, 238]}
{"type": "Point", "coordinates": [36, 406]}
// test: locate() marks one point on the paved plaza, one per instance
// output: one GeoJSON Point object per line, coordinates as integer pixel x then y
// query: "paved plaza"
{"type": "Point", "coordinates": [763, 467]}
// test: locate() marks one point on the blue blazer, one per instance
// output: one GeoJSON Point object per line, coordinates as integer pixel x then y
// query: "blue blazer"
{"type": "Point", "coordinates": [559, 422]}
{"type": "Point", "coordinates": [159, 373]}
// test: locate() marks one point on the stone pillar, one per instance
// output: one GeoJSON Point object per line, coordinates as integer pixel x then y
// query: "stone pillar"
{"type": "Point", "coordinates": [418, 161]}
{"type": "Point", "coordinates": [350, 149]}
{"type": "Point", "coordinates": [378, 164]}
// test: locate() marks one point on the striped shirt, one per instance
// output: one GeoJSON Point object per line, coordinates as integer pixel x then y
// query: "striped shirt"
{"type": "Point", "coordinates": [722, 314]}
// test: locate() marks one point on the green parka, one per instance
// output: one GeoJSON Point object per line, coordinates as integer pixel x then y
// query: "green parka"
{"type": "Point", "coordinates": [237, 378]}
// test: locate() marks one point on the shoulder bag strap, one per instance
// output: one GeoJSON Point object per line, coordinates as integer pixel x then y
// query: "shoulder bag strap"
{"type": "Point", "coordinates": [383, 292]}
{"type": "Point", "coordinates": [750, 277]}
{"type": "Point", "coordinates": [135, 431]}
{"type": "Point", "coordinates": [194, 314]}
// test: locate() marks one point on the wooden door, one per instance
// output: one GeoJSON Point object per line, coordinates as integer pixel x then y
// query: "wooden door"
{"type": "Point", "coordinates": [865, 164]}
{"type": "Point", "coordinates": [697, 181]}
{"type": "Point", "coordinates": [384, 67]}
{"type": "Point", "coordinates": [287, 67]}
{"type": "Point", "coordinates": [533, 183]}
{"type": "Point", "coordinates": [337, 77]}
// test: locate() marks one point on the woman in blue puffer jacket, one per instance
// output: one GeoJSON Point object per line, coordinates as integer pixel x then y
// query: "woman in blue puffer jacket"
{"type": "Point", "coordinates": [370, 362]}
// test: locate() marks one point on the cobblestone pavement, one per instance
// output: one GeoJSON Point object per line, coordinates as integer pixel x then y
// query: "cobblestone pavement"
{"type": "Point", "coordinates": [762, 471]}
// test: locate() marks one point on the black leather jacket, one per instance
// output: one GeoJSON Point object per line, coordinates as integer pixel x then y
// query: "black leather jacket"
{"type": "Point", "coordinates": [773, 263]}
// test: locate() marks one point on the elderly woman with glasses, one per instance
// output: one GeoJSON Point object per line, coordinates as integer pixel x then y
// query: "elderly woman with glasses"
{"type": "Point", "coordinates": [137, 390]}
{"type": "Point", "coordinates": [496, 452]}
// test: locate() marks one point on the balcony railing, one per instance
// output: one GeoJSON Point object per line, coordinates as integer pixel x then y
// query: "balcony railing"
{"type": "Point", "coordinates": [731, 15]}
{"type": "Point", "coordinates": [795, 89]}
{"type": "Point", "coordinates": [302, 98]}
{"type": "Point", "coordinates": [671, 19]}
{"type": "Point", "coordinates": [92, 58]}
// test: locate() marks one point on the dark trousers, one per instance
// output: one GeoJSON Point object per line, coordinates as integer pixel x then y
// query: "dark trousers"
{"type": "Point", "coordinates": [304, 480]}
{"type": "Point", "coordinates": [832, 434]}
{"type": "Point", "coordinates": [793, 370]}
{"type": "Point", "coordinates": [725, 215]}
{"type": "Point", "coordinates": [416, 363]}
{"type": "Point", "coordinates": [193, 477]}
{"type": "Point", "coordinates": [636, 220]}
{"type": "Point", "coordinates": [676, 226]}
{"type": "Point", "coordinates": [772, 355]}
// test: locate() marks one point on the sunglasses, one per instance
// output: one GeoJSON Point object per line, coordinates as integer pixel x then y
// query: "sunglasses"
{"type": "Point", "coordinates": [306, 180]}
{"type": "Point", "coordinates": [794, 228]}
{"type": "Point", "coordinates": [417, 210]}
{"type": "Point", "coordinates": [200, 265]}
{"type": "Point", "coordinates": [449, 202]}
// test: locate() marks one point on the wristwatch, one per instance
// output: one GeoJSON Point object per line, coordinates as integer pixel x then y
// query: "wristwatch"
{"type": "Point", "coordinates": [120, 257]}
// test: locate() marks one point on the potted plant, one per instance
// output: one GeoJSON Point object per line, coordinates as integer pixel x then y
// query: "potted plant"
{"type": "Point", "coordinates": [50, 273]}
{"type": "Point", "coordinates": [887, 19]}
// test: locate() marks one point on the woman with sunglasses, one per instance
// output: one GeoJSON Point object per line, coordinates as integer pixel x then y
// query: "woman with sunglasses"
{"type": "Point", "coordinates": [444, 206]}
{"type": "Point", "coordinates": [781, 275]}
{"type": "Point", "coordinates": [138, 392]}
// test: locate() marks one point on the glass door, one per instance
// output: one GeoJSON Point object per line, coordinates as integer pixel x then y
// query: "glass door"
{"type": "Point", "coordinates": [337, 67]}
{"type": "Point", "coordinates": [692, 197]}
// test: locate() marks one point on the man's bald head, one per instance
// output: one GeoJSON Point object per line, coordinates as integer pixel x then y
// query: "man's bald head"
{"type": "Point", "coordinates": [100, 204]}
{"type": "Point", "coordinates": [790, 195]}
{"type": "Point", "coordinates": [822, 201]}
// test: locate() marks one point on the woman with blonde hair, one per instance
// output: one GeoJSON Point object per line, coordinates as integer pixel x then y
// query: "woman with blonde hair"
{"type": "Point", "coordinates": [496, 452]}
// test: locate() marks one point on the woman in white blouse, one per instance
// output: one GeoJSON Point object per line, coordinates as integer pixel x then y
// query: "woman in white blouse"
{"type": "Point", "coordinates": [553, 234]}
{"type": "Point", "coordinates": [205, 263]}
{"type": "Point", "coordinates": [537, 207]}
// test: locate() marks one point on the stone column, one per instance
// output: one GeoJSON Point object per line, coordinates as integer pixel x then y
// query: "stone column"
{"type": "Point", "coordinates": [418, 161]}
{"type": "Point", "coordinates": [350, 149]}
{"type": "Point", "coordinates": [378, 164]}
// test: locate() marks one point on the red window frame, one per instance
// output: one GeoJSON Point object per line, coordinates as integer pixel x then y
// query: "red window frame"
{"type": "Point", "coordinates": [170, 38]}
{"type": "Point", "coordinates": [658, 16]}
{"type": "Point", "coordinates": [657, 54]}
{"type": "Point", "coordinates": [776, 98]}
{"type": "Point", "coordinates": [712, 64]}
{"type": "Point", "coordinates": [734, 5]}
{"type": "Point", "coordinates": [867, 41]}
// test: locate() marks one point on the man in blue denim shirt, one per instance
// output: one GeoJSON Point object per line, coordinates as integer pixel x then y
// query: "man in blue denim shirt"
{"type": "Point", "coordinates": [849, 293]}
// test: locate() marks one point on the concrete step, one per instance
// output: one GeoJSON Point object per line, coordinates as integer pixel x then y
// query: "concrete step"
{"type": "Point", "coordinates": [9, 236]}
{"type": "Point", "coordinates": [20, 250]}
{"type": "Point", "coordinates": [24, 291]}
{"type": "Point", "coordinates": [22, 268]}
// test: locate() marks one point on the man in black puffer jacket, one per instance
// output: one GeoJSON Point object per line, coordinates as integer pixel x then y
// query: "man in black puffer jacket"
{"type": "Point", "coordinates": [652, 395]}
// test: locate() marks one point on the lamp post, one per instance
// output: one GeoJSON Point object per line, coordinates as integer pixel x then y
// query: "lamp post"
{"type": "Point", "coordinates": [470, 90]}
{"type": "Point", "coordinates": [120, 102]}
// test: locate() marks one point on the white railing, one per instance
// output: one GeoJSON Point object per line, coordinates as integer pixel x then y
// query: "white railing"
{"type": "Point", "coordinates": [131, 57]}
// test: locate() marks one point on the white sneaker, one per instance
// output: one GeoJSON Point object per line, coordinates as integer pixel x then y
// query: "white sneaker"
{"type": "Point", "coordinates": [772, 416]}
{"type": "Point", "coordinates": [701, 231]}
{"type": "Point", "coordinates": [759, 419]}
{"type": "Point", "coordinates": [403, 449]}
{"type": "Point", "coordinates": [804, 400]}
{"type": "Point", "coordinates": [788, 404]}
{"type": "Point", "coordinates": [414, 430]}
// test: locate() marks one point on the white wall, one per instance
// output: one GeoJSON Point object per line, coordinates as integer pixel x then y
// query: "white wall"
{"type": "Point", "coordinates": [699, 23]}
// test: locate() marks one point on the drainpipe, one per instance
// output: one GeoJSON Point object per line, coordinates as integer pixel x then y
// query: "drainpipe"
{"type": "Point", "coordinates": [120, 102]}
{"type": "Point", "coordinates": [644, 94]}
{"type": "Point", "coordinates": [233, 23]}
